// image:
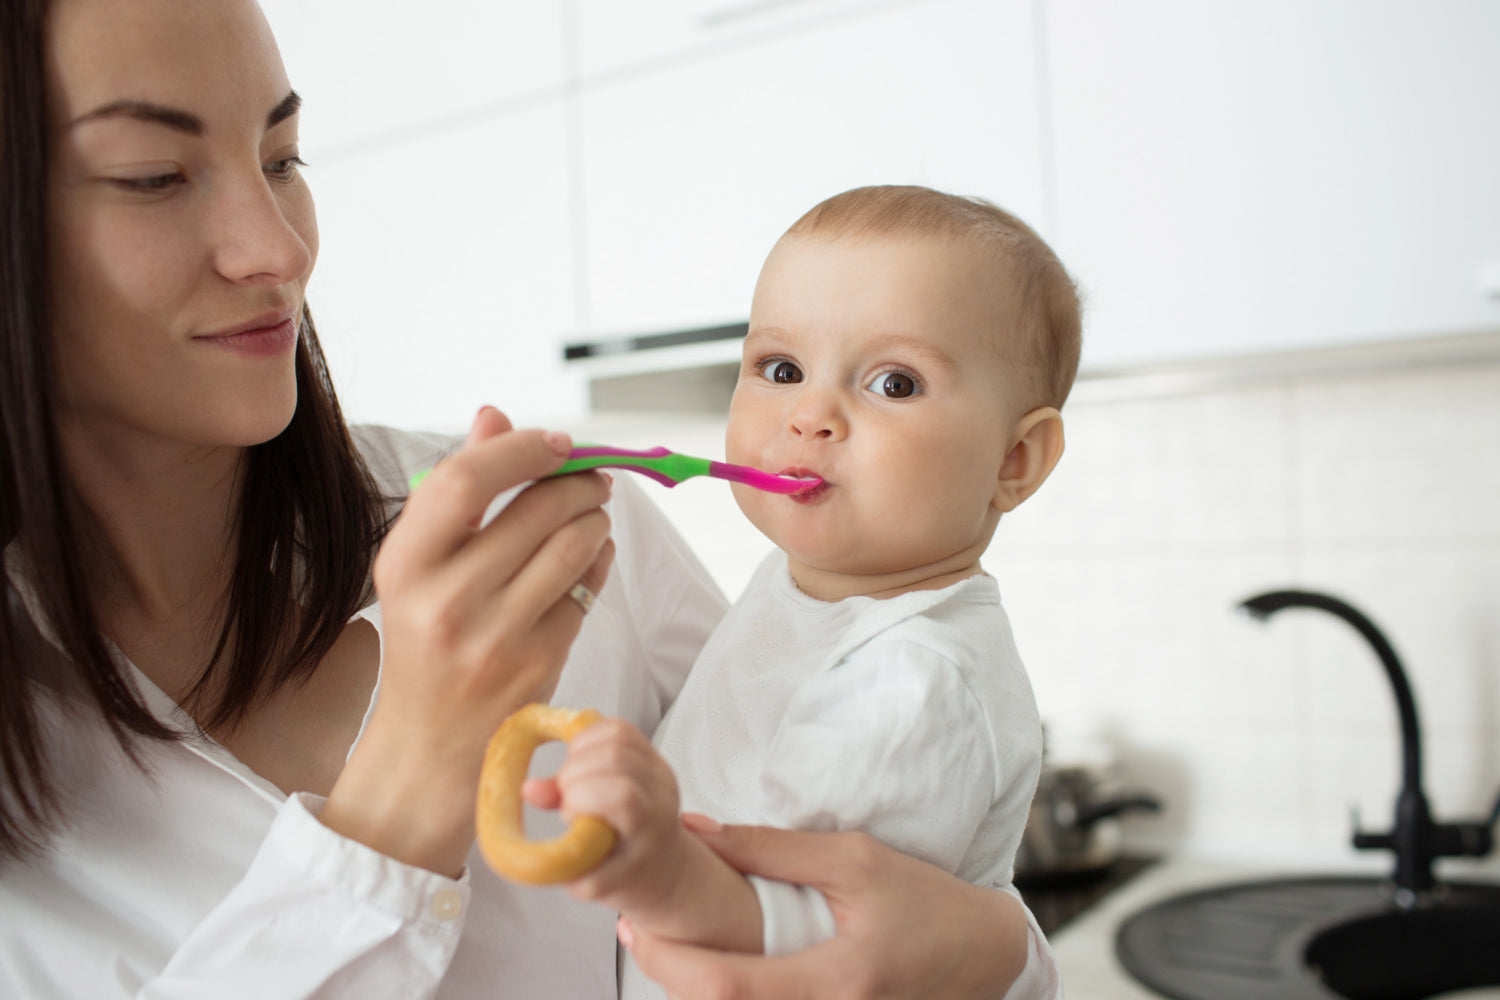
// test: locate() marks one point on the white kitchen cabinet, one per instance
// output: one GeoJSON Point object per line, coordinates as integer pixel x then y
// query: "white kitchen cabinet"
{"type": "Point", "coordinates": [690, 174]}
{"type": "Point", "coordinates": [445, 276]}
{"type": "Point", "coordinates": [614, 37]}
{"type": "Point", "coordinates": [381, 68]}
{"type": "Point", "coordinates": [1240, 178]}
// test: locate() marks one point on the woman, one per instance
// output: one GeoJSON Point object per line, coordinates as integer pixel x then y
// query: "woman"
{"type": "Point", "coordinates": [224, 770]}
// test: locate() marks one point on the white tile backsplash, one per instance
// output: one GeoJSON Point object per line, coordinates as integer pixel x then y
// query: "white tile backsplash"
{"type": "Point", "coordinates": [1439, 606]}
{"type": "Point", "coordinates": [1384, 459]}
{"type": "Point", "coordinates": [1121, 577]}
{"type": "Point", "coordinates": [1139, 475]}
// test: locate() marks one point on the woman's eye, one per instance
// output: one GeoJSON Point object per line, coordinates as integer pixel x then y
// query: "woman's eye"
{"type": "Point", "coordinates": [149, 185]}
{"type": "Point", "coordinates": [782, 372]}
{"type": "Point", "coordinates": [283, 169]}
{"type": "Point", "coordinates": [894, 385]}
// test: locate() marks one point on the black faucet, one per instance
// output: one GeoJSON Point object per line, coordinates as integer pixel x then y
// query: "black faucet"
{"type": "Point", "coordinates": [1415, 838]}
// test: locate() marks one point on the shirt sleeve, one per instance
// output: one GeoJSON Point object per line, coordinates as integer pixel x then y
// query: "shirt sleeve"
{"type": "Point", "coordinates": [892, 742]}
{"type": "Point", "coordinates": [320, 916]}
{"type": "Point", "coordinates": [797, 916]}
{"type": "Point", "coordinates": [1039, 980]}
{"type": "Point", "coordinates": [673, 602]}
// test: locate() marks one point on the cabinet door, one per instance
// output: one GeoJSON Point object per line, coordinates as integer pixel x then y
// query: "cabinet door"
{"type": "Point", "coordinates": [381, 67]}
{"type": "Point", "coordinates": [444, 280]}
{"type": "Point", "coordinates": [614, 36]}
{"type": "Point", "coordinates": [691, 173]}
{"type": "Point", "coordinates": [1234, 178]}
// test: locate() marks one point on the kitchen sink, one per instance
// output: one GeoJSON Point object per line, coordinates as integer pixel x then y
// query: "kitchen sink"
{"type": "Point", "coordinates": [1406, 937]}
{"type": "Point", "coordinates": [1314, 939]}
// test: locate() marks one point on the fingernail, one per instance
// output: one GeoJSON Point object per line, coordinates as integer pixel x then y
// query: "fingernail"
{"type": "Point", "coordinates": [699, 823]}
{"type": "Point", "coordinates": [625, 933]}
{"type": "Point", "coordinates": [559, 442]}
{"type": "Point", "coordinates": [474, 424]}
{"type": "Point", "coordinates": [609, 479]}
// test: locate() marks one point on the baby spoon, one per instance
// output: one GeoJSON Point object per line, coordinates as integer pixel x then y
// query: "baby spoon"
{"type": "Point", "coordinates": [670, 468]}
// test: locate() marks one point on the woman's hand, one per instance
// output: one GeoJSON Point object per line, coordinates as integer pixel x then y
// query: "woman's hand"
{"type": "Point", "coordinates": [905, 928]}
{"type": "Point", "coordinates": [477, 622]}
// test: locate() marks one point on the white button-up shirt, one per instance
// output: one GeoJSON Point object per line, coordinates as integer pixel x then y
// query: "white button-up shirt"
{"type": "Point", "coordinates": [193, 877]}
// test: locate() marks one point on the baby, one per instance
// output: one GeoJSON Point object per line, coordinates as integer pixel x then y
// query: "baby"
{"type": "Point", "coordinates": [912, 349]}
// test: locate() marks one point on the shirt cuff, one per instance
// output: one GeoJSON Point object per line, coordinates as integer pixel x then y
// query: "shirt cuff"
{"type": "Point", "coordinates": [411, 894]}
{"type": "Point", "coordinates": [1039, 980]}
{"type": "Point", "coordinates": [793, 916]}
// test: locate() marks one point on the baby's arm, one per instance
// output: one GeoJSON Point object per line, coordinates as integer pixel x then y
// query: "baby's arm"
{"type": "Point", "coordinates": [893, 743]}
{"type": "Point", "coordinates": [660, 877]}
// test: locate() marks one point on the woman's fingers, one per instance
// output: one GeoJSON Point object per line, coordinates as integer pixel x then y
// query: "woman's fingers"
{"type": "Point", "coordinates": [825, 861]}
{"type": "Point", "coordinates": [440, 516]}
{"type": "Point", "coordinates": [971, 943]}
{"type": "Point", "coordinates": [544, 542]}
{"type": "Point", "coordinates": [487, 423]}
{"type": "Point", "coordinates": [688, 972]}
{"type": "Point", "coordinates": [597, 574]}
{"type": "Point", "coordinates": [536, 603]}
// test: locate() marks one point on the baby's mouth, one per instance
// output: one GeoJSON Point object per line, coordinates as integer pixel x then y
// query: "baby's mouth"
{"type": "Point", "coordinates": [815, 490]}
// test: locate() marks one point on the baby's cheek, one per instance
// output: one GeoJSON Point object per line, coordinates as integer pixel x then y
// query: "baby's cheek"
{"type": "Point", "coordinates": [737, 441]}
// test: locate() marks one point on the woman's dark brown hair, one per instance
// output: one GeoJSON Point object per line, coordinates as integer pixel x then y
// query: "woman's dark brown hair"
{"type": "Point", "coordinates": [311, 514]}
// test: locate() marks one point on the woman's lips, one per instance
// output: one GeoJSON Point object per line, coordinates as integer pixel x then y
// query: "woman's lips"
{"type": "Point", "coordinates": [261, 342]}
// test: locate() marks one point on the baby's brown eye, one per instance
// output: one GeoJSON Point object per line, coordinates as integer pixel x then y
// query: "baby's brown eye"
{"type": "Point", "coordinates": [782, 372]}
{"type": "Point", "coordinates": [894, 385]}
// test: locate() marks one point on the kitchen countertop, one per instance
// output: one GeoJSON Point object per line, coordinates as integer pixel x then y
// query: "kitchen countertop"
{"type": "Point", "coordinates": [1058, 900]}
{"type": "Point", "coordinates": [1085, 946]}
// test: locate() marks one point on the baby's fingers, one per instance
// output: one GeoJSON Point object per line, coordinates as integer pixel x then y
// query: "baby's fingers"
{"type": "Point", "coordinates": [541, 793]}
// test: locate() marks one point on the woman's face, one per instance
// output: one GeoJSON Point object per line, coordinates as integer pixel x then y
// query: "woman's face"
{"type": "Point", "coordinates": [181, 234]}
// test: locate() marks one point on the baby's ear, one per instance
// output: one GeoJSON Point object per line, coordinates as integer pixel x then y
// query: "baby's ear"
{"type": "Point", "coordinates": [1038, 445]}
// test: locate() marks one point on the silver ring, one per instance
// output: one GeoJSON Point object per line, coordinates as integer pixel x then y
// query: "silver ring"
{"type": "Point", "coordinates": [583, 595]}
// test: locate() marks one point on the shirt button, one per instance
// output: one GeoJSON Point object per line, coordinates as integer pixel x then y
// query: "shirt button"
{"type": "Point", "coordinates": [447, 904]}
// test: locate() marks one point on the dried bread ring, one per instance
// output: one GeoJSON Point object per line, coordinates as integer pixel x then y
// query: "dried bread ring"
{"type": "Point", "coordinates": [497, 817]}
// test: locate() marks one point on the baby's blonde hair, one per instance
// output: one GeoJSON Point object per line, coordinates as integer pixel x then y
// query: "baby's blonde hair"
{"type": "Point", "coordinates": [1050, 330]}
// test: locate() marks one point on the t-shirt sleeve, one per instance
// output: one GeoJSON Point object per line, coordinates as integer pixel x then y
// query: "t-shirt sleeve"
{"type": "Point", "coordinates": [893, 742]}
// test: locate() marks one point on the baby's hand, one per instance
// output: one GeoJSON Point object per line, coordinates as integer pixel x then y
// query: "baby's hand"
{"type": "Point", "coordinates": [612, 771]}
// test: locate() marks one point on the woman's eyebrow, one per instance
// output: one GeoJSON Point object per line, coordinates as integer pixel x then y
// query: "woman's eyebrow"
{"type": "Point", "coordinates": [290, 105]}
{"type": "Point", "coordinates": [176, 118]}
{"type": "Point", "coordinates": [182, 121]}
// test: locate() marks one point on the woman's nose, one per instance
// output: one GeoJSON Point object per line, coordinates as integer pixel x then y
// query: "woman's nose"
{"type": "Point", "coordinates": [817, 414]}
{"type": "Point", "coordinates": [261, 236]}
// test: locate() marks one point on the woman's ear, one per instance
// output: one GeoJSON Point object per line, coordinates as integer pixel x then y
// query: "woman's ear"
{"type": "Point", "coordinates": [1031, 459]}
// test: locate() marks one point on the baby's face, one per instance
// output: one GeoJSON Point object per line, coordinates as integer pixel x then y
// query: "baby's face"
{"type": "Point", "coordinates": [876, 363]}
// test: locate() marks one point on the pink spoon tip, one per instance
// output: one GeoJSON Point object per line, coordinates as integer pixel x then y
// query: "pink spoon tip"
{"type": "Point", "coordinates": [767, 481]}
